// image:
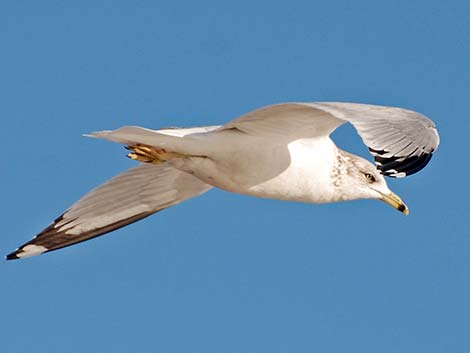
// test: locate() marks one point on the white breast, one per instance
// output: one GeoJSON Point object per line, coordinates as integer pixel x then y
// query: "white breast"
{"type": "Point", "coordinates": [297, 171]}
{"type": "Point", "coordinates": [307, 177]}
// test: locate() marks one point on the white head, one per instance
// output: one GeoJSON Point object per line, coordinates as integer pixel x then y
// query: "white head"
{"type": "Point", "coordinates": [357, 178]}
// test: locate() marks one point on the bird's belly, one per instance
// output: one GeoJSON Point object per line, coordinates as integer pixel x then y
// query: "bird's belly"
{"type": "Point", "coordinates": [297, 171]}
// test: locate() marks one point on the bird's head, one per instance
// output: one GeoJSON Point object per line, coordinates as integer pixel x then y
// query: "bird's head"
{"type": "Point", "coordinates": [359, 179]}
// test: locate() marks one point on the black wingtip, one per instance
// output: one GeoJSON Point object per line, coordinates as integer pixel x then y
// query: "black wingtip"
{"type": "Point", "coordinates": [12, 256]}
{"type": "Point", "coordinates": [395, 165]}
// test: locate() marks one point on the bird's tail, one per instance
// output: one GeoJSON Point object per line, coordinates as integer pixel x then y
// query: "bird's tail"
{"type": "Point", "coordinates": [182, 141]}
{"type": "Point", "coordinates": [127, 198]}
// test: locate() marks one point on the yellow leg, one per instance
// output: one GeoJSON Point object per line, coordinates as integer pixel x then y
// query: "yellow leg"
{"type": "Point", "coordinates": [150, 154]}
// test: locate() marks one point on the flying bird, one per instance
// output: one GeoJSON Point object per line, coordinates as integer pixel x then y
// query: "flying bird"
{"type": "Point", "coordinates": [282, 151]}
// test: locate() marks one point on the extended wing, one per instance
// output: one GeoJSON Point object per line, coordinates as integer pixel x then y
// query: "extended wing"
{"type": "Point", "coordinates": [127, 198]}
{"type": "Point", "coordinates": [402, 141]}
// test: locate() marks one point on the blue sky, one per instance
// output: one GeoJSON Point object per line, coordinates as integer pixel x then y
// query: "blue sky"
{"type": "Point", "coordinates": [225, 272]}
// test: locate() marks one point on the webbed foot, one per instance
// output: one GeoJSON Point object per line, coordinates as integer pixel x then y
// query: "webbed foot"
{"type": "Point", "coordinates": [151, 154]}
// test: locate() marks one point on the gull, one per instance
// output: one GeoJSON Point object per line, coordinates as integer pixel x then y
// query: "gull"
{"type": "Point", "coordinates": [282, 151]}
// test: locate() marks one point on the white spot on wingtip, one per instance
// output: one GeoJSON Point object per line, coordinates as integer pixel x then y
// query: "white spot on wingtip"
{"type": "Point", "coordinates": [31, 250]}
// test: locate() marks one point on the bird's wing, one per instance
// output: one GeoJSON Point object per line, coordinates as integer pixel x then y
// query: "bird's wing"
{"type": "Point", "coordinates": [402, 141]}
{"type": "Point", "coordinates": [127, 198]}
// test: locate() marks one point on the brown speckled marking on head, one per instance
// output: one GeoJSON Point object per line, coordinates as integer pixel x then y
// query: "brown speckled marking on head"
{"type": "Point", "coordinates": [344, 165]}
{"type": "Point", "coordinates": [338, 170]}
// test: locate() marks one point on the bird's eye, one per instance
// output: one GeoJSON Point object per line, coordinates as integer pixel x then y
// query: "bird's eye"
{"type": "Point", "coordinates": [370, 178]}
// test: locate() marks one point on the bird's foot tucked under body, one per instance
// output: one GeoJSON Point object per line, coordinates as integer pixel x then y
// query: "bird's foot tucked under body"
{"type": "Point", "coordinates": [150, 154]}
